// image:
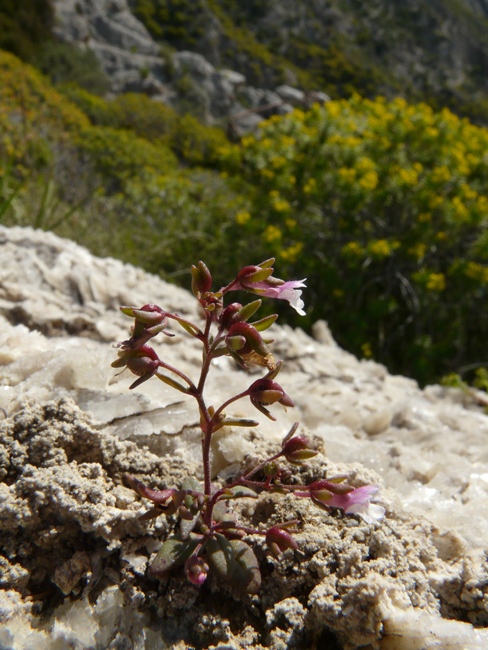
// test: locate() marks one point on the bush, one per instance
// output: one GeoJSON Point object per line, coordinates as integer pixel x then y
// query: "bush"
{"type": "Point", "coordinates": [383, 206]}
{"type": "Point", "coordinates": [120, 156]}
{"type": "Point", "coordinates": [193, 142]}
{"type": "Point", "coordinates": [63, 63]}
{"type": "Point", "coordinates": [25, 25]}
{"type": "Point", "coordinates": [34, 118]}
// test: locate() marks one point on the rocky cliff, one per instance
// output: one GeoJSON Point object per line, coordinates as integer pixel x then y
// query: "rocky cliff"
{"type": "Point", "coordinates": [186, 80]}
{"type": "Point", "coordinates": [217, 58]}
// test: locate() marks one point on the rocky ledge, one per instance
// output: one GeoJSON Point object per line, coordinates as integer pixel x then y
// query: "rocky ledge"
{"type": "Point", "coordinates": [74, 556]}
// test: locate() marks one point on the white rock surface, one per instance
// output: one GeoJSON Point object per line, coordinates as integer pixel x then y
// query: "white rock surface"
{"type": "Point", "coordinates": [58, 320]}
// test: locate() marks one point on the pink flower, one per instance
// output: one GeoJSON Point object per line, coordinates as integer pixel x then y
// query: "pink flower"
{"type": "Point", "coordinates": [356, 501]}
{"type": "Point", "coordinates": [259, 280]}
{"type": "Point", "coordinates": [289, 291]}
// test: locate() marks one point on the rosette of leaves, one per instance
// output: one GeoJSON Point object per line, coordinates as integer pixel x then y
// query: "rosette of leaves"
{"type": "Point", "coordinates": [226, 554]}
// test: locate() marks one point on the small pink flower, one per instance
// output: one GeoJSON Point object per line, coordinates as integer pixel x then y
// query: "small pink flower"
{"type": "Point", "coordinates": [259, 280]}
{"type": "Point", "coordinates": [289, 291]}
{"type": "Point", "coordinates": [354, 501]}
{"type": "Point", "coordinates": [358, 502]}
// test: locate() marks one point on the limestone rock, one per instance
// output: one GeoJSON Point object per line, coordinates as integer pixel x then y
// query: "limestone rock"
{"type": "Point", "coordinates": [70, 428]}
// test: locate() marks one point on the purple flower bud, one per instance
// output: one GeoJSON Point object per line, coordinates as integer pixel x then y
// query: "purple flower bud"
{"type": "Point", "coordinates": [264, 392]}
{"type": "Point", "coordinates": [250, 274]}
{"type": "Point", "coordinates": [150, 314]}
{"type": "Point", "coordinates": [230, 315]}
{"type": "Point", "coordinates": [201, 278]}
{"type": "Point", "coordinates": [149, 321]}
{"type": "Point", "coordinates": [196, 570]}
{"type": "Point", "coordinates": [245, 339]}
{"type": "Point", "coordinates": [297, 450]}
{"type": "Point", "coordinates": [143, 362]}
{"type": "Point", "coordinates": [279, 540]}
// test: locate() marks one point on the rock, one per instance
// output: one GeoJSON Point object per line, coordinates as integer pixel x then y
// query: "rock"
{"type": "Point", "coordinates": [70, 429]}
{"type": "Point", "coordinates": [233, 77]}
{"type": "Point", "coordinates": [122, 44]}
{"type": "Point", "coordinates": [187, 81]}
{"type": "Point", "coordinates": [317, 97]}
{"type": "Point", "coordinates": [291, 95]}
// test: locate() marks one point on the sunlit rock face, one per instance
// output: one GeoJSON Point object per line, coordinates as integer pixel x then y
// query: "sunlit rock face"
{"type": "Point", "coordinates": [71, 545]}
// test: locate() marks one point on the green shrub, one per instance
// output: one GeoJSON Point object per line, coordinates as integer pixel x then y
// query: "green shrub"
{"type": "Point", "coordinates": [64, 63]}
{"type": "Point", "coordinates": [193, 142]}
{"type": "Point", "coordinates": [384, 206]}
{"type": "Point", "coordinates": [34, 118]}
{"type": "Point", "coordinates": [25, 25]}
{"type": "Point", "coordinates": [120, 156]}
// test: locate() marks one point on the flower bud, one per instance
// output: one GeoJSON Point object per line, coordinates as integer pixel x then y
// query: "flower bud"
{"type": "Point", "coordinates": [327, 494]}
{"type": "Point", "coordinates": [264, 392]}
{"type": "Point", "coordinates": [267, 391]}
{"type": "Point", "coordinates": [332, 486]}
{"type": "Point", "coordinates": [244, 339]}
{"type": "Point", "coordinates": [196, 570]}
{"type": "Point", "coordinates": [201, 278]}
{"type": "Point", "coordinates": [149, 321]}
{"type": "Point", "coordinates": [297, 450]}
{"type": "Point", "coordinates": [230, 315]}
{"type": "Point", "coordinates": [142, 361]}
{"type": "Point", "coordinates": [279, 540]}
{"type": "Point", "coordinates": [251, 274]}
{"type": "Point", "coordinates": [149, 314]}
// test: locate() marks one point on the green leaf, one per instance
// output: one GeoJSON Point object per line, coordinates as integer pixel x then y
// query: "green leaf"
{"type": "Point", "coordinates": [172, 553]}
{"type": "Point", "coordinates": [219, 512]}
{"type": "Point", "coordinates": [172, 383]}
{"type": "Point", "coordinates": [249, 310]}
{"type": "Point", "coordinates": [239, 422]}
{"type": "Point", "coordinates": [187, 526]}
{"type": "Point", "coordinates": [265, 322]}
{"type": "Point", "coordinates": [188, 327]}
{"type": "Point", "coordinates": [238, 492]}
{"type": "Point", "coordinates": [234, 562]}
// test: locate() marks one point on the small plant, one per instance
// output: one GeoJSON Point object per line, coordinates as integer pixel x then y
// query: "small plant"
{"type": "Point", "coordinates": [209, 538]}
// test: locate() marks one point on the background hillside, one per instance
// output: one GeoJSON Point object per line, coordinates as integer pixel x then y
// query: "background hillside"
{"type": "Point", "coordinates": [378, 196]}
{"type": "Point", "coordinates": [435, 52]}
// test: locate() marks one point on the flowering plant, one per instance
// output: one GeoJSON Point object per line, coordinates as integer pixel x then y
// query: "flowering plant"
{"type": "Point", "coordinates": [209, 537]}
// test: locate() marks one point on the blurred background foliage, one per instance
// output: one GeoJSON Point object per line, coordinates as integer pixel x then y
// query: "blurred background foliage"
{"type": "Point", "coordinates": [382, 204]}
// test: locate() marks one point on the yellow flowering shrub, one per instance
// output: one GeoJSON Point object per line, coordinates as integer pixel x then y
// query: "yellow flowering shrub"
{"type": "Point", "coordinates": [391, 202]}
{"type": "Point", "coordinates": [382, 205]}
